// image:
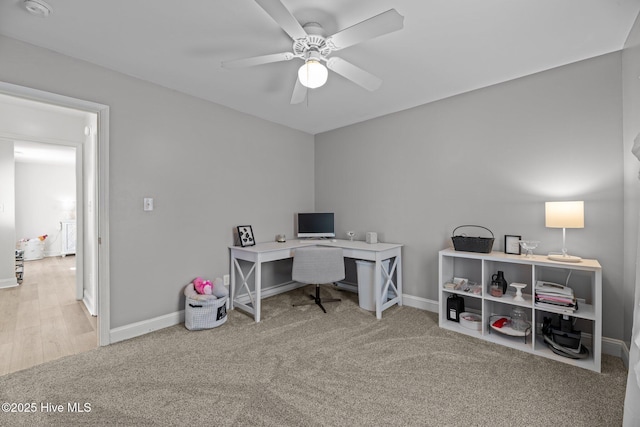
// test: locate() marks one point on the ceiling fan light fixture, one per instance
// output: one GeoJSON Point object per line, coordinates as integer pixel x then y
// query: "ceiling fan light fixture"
{"type": "Point", "coordinates": [313, 74]}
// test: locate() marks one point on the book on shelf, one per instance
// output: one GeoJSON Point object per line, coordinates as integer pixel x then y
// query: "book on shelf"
{"type": "Point", "coordinates": [555, 296]}
{"type": "Point", "coordinates": [552, 299]}
{"type": "Point", "coordinates": [567, 309]}
{"type": "Point", "coordinates": [549, 288]}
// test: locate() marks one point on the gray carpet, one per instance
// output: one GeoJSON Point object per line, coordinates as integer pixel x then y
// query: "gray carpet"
{"type": "Point", "coordinates": [301, 367]}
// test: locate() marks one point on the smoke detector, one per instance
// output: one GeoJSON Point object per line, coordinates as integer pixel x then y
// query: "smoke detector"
{"type": "Point", "coordinates": [37, 7]}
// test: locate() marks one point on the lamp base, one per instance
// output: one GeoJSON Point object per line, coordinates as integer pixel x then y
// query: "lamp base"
{"type": "Point", "coordinates": [563, 258]}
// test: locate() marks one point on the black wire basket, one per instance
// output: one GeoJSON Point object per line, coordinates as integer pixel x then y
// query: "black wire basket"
{"type": "Point", "coordinates": [466, 243]}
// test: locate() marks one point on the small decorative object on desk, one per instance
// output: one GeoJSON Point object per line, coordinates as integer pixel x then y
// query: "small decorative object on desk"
{"type": "Point", "coordinates": [245, 235]}
{"type": "Point", "coordinates": [351, 235]}
{"type": "Point", "coordinates": [281, 238]}
{"type": "Point", "coordinates": [466, 243]}
{"type": "Point", "coordinates": [371, 237]}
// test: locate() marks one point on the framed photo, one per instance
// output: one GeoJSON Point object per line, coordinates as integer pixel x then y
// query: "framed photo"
{"type": "Point", "coordinates": [245, 235]}
{"type": "Point", "coordinates": [511, 244]}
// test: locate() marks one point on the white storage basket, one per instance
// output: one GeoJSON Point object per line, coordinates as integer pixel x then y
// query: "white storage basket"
{"type": "Point", "coordinates": [33, 249]}
{"type": "Point", "coordinates": [204, 313]}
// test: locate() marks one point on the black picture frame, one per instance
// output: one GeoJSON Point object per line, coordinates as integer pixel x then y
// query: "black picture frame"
{"type": "Point", "coordinates": [512, 244]}
{"type": "Point", "coordinates": [245, 235]}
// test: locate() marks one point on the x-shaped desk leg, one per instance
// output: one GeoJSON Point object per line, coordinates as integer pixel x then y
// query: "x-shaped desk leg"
{"type": "Point", "coordinates": [382, 290]}
{"type": "Point", "coordinates": [244, 285]}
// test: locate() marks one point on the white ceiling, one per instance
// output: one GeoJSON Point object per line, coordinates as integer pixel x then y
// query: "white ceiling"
{"type": "Point", "coordinates": [35, 119]}
{"type": "Point", "coordinates": [447, 47]}
{"type": "Point", "coordinates": [37, 152]}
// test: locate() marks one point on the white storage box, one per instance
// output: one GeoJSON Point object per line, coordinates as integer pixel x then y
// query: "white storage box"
{"type": "Point", "coordinates": [33, 249]}
{"type": "Point", "coordinates": [471, 321]}
{"type": "Point", "coordinates": [204, 313]}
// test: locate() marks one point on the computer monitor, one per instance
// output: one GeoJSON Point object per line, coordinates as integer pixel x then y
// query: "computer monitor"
{"type": "Point", "coordinates": [316, 225]}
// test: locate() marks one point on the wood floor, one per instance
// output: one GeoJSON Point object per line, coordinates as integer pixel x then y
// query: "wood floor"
{"type": "Point", "coordinates": [40, 320]}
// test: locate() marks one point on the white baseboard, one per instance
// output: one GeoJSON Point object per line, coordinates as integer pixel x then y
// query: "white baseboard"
{"type": "Point", "coordinates": [144, 327]}
{"type": "Point", "coordinates": [421, 303]}
{"type": "Point", "coordinates": [271, 291]}
{"type": "Point", "coordinates": [616, 348]}
{"type": "Point", "coordinates": [347, 286]}
{"type": "Point", "coordinates": [11, 282]}
{"type": "Point", "coordinates": [610, 346]}
{"type": "Point", "coordinates": [89, 302]}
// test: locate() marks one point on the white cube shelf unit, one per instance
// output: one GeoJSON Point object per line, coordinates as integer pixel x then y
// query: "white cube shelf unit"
{"type": "Point", "coordinates": [584, 277]}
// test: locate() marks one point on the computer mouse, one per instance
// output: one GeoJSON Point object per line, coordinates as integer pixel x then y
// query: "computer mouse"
{"type": "Point", "coordinates": [334, 240]}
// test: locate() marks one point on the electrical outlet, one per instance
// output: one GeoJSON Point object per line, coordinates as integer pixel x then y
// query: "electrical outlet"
{"type": "Point", "coordinates": [225, 278]}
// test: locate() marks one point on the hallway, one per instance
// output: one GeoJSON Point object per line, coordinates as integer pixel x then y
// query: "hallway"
{"type": "Point", "coordinates": [40, 320]}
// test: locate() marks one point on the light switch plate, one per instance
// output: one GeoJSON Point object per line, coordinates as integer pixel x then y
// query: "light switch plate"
{"type": "Point", "coordinates": [148, 204]}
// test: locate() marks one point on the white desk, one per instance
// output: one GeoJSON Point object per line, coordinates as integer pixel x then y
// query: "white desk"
{"type": "Point", "coordinates": [273, 251]}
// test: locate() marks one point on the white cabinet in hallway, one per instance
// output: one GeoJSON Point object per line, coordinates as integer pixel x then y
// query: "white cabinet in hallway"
{"type": "Point", "coordinates": [68, 234]}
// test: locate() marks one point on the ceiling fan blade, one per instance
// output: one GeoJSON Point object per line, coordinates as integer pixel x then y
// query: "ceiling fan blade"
{"type": "Point", "coordinates": [283, 17]}
{"type": "Point", "coordinates": [384, 23]}
{"type": "Point", "coordinates": [299, 93]}
{"type": "Point", "coordinates": [258, 60]}
{"type": "Point", "coordinates": [355, 74]}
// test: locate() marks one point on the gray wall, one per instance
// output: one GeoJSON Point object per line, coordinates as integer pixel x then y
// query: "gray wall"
{"type": "Point", "coordinates": [631, 129]}
{"type": "Point", "coordinates": [208, 168]}
{"type": "Point", "coordinates": [40, 192]}
{"type": "Point", "coordinates": [7, 216]}
{"type": "Point", "coordinates": [490, 157]}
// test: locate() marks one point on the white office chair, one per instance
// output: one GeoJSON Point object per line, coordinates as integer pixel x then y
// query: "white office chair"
{"type": "Point", "coordinates": [316, 266]}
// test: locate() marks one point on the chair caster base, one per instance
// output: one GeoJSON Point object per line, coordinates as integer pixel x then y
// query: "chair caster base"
{"type": "Point", "coordinates": [317, 300]}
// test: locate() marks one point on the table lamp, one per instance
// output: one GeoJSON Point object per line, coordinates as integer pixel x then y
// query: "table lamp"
{"type": "Point", "coordinates": [564, 215]}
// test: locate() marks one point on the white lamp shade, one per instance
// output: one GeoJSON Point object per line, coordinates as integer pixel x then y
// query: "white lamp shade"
{"type": "Point", "coordinates": [564, 214]}
{"type": "Point", "coordinates": [313, 74]}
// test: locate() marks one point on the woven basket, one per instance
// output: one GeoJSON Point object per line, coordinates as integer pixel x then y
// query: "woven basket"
{"type": "Point", "coordinates": [472, 244]}
{"type": "Point", "coordinates": [204, 314]}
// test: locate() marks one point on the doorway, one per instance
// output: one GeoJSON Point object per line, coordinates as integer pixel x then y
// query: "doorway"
{"type": "Point", "coordinates": [92, 259]}
{"type": "Point", "coordinates": [41, 320]}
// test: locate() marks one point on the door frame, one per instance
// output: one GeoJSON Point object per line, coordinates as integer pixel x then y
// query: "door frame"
{"type": "Point", "coordinates": [101, 211]}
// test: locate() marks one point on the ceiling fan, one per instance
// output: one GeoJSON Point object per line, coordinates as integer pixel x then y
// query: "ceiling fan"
{"type": "Point", "coordinates": [312, 46]}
